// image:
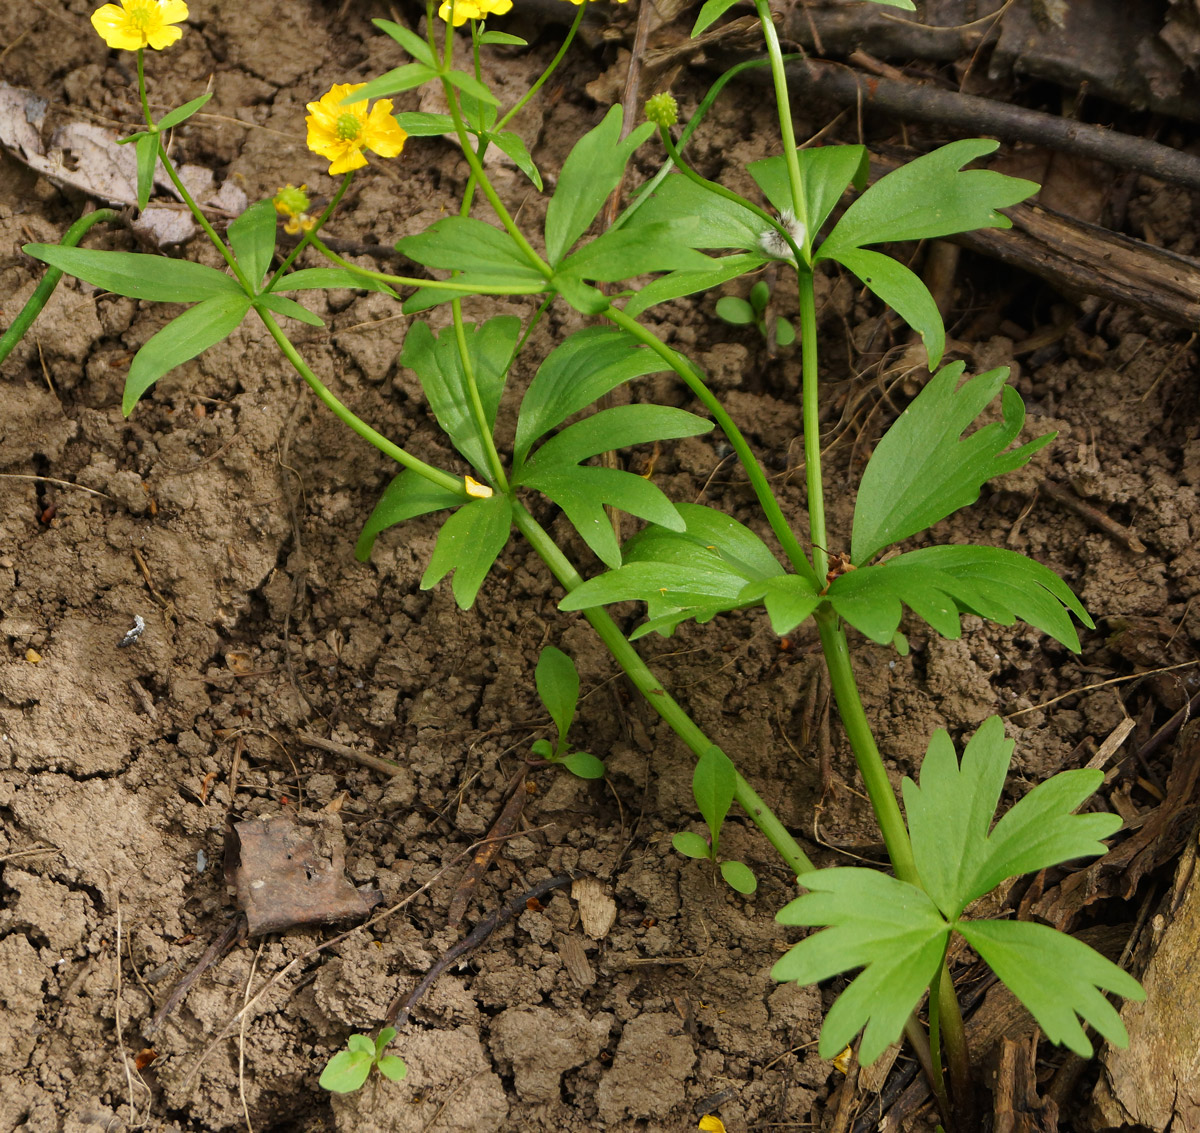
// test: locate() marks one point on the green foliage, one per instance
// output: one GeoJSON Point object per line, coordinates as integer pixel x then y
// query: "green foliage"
{"type": "Point", "coordinates": [739, 876]}
{"type": "Point", "coordinates": [825, 174]}
{"type": "Point", "coordinates": [407, 496]}
{"type": "Point", "coordinates": [558, 688]}
{"type": "Point", "coordinates": [740, 312]}
{"type": "Point", "coordinates": [138, 275]}
{"type": "Point", "coordinates": [468, 544]}
{"type": "Point", "coordinates": [591, 171]}
{"type": "Point", "coordinates": [924, 468]}
{"type": "Point", "coordinates": [252, 237]}
{"type": "Point", "coordinates": [347, 1070]}
{"type": "Point", "coordinates": [898, 933]}
{"type": "Point", "coordinates": [439, 365]}
{"type": "Point", "coordinates": [713, 783]}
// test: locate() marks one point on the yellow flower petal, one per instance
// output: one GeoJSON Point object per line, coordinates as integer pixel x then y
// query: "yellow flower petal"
{"type": "Point", "coordinates": [709, 1123]}
{"type": "Point", "coordinates": [137, 24]}
{"type": "Point", "coordinates": [340, 132]}
{"type": "Point", "coordinates": [475, 489]}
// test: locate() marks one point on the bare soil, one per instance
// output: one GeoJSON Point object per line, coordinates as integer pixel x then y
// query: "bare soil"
{"type": "Point", "coordinates": [224, 513]}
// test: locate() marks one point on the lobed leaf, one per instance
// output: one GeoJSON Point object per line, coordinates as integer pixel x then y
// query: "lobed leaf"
{"type": "Point", "coordinates": [438, 364]}
{"type": "Point", "coordinates": [826, 172]}
{"type": "Point", "coordinates": [635, 250]}
{"type": "Point", "coordinates": [930, 196]}
{"type": "Point", "coordinates": [1057, 978]}
{"type": "Point", "coordinates": [589, 174]}
{"type": "Point", "coordinates": [902, 290]}
{"type": "Point", "coordinates": [468, 544]}
{"type": "Point", "coordinates": [189, 334]}
{"type": "Point", "coordinates": [407, 496]}
{"type": "Point", "coordinates": [583, 368]}
{"type": "Point", "coordinates": [890, 929]}
{"type": "Point", "coordinates": [924, 468]}
{"type": "Point", "coordinates": [789, 600]}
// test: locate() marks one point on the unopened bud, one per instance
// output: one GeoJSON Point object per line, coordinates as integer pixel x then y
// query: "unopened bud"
{"type": "Point", "coordinates": [662, 109]}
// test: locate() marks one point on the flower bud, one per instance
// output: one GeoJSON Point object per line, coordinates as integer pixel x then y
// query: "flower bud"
{"type": "Point", "coordinates": [290, 201]}
{"type": "Point", "coordinates": [662, 109]}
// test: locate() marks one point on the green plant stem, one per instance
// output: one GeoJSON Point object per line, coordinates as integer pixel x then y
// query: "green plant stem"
{"type": "Point", "coordinates": [758, 480]}
{"type": "Point", "coordinates": [541, 81]}
{"type": "Point", "coordinates": [43, 291]}
{"type": "Point", "coordinates": [483, 429]}
{"type": "Point", "coordinates": [811, 404]}
{"type": "Point", "coordinates": [858, 731]}
{"type": "Point", "coordinates": [656, 696]}
{"type": "Point", "coordinates": [401, 456]}
{"type": "Point", "coordinates": [481, 177]}
{"type": "Point", "coordinates": [787, 134]}
{"type": "Point", "coordinates": [954, 1036]}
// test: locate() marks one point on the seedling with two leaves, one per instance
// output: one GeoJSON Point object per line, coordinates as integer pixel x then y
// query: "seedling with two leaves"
{"type": "Point", "coordinates": [738, 312]}
{"type": "Point", "coordinates": [713, 784]}
{"type": "Point", "coordinates": [558, 687]}
{"type": "Point", "coordinates": [349, 1069]}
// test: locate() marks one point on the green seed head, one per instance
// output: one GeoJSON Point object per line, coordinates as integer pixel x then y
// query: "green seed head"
{"type": "Point", "coordinates": [662, 109]}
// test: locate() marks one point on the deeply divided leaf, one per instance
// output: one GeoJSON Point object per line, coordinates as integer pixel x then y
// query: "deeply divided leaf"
{"type": "Point", "coordinates": [591, 171]}
{"type": "Point", "coordinates": [192, 333]}
{"type": "Point", "coordinates": [468, 544]}
{"type": "Point", "coordinates": [924, 468]}
{"type": "Point", "coordinates": [437, 362]}
{"type": "Point", "coordinates": [826, 172]}
{"type": "Point", "coordinates": [928, 197]}
{"type": "Point", "coordinates": [1057, 978]}
{"type": "Point", "coordinates": [889, 928]}
{"type": "Point", "coordinates": [407, 496]}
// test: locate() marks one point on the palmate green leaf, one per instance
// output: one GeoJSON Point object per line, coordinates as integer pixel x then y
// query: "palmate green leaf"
{"type": "Point", "coordinates": [557, 682]}
{"type": "Point", "coordinates": [905, 292]}
{"type": "Point", "coordinates": [610, 429]}
{"type": "Point", "coordinates": [679, 283]}
{"type": "Point", "coordinates": [589, 174]}
{"type": "Point", "coordinates": [789, 600]}
{"type": "Point", "coordinates": [468, 544]}
{"type": "Point", "coordinates": [1056, 977]}
{"type": "Point", "coordinates": [889, 928]}
{"type": "Point", "coordinates": [252, 237]}
{"type": "Point", "coordinates": [138, 275]}
{"type": "Point", "coordinates": [825, 173]}
{"type": "Point", "coordinates": [462, 243]}
{"type": "Point", "coordinates": [937, 583]}
{"type": "Point", "coordinates": [950, 813]}
{"type": "Point", "coordinates": [714, 781]}
{"type": "Point", "coordinates": [438, 364]}
{"type": "Point", "coordinates": [930, 196]}
{"type": "Point", "coordinates": [583, 368]}
{"type": "Point", "coordinates": [583, 492]}
{"type": "Point", "coordinates": [407, 496]}
{"type": "Point", "coordinates": [635, 250]}
{"type": "Point", "coordinates": [924, 468]}
{"type": "Point", "coordinates": [192, 333]}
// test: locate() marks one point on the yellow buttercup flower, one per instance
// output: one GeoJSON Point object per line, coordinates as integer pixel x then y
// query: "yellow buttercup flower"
{"type": "Point", "coordinates": [140, 23]}
{"type": "Point", "coordinates": [577, 3]}
{"type": "Point", "coordinates": [340, 133]}
{"type": "Point", "coordinates": [465, 10]}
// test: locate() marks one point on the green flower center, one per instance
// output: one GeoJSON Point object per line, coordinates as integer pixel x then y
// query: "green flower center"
{"type": "Point", "coordinates": [143, 16]}
{"type": "Point", "coordinates": [349, 126]}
